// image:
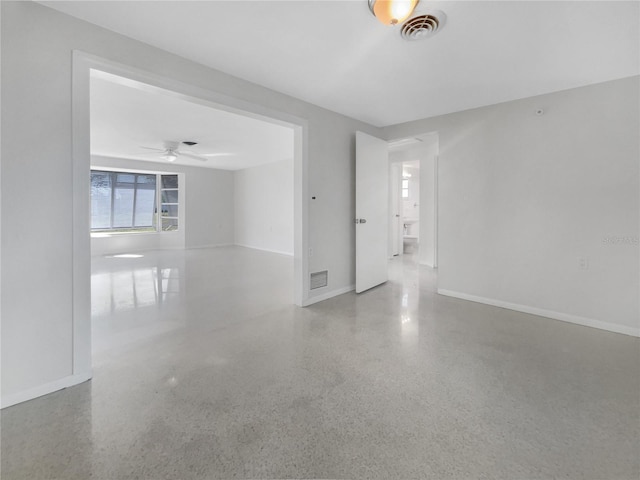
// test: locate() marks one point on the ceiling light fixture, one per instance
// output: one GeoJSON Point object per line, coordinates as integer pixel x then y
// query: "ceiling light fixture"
{"type": "Point", "coordinates": [391, 12]}
{"type": "Point", "coordinates": [170, 156]}
{"type": "Point", "coordinates": [402, 142]}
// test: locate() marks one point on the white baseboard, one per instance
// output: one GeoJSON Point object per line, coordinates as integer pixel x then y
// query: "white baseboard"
{"type": "Point", "coordinates": [328, 295]}
{"type": "Point", "coordinates": [215, 245]}
{"type": "Point", "coordinates": [564, 317]}
{"type": "Point", "coordinates": [288, 254]}
{"type": "Point", "coordinates": [132, 250]}
{"type": "Point", "coordinates": [45, 389]}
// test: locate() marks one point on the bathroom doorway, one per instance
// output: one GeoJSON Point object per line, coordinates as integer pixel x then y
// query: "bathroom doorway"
{"type": "Point", "coordinates": [410, 207]}
{"type": "Point", "coordinates": [413, 175]}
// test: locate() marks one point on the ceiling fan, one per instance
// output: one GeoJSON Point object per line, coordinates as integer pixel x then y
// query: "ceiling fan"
{"type": "Point", "coordinates": [171, 152]}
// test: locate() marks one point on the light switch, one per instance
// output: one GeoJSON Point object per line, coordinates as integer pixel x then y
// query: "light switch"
{"type": "Point", "coordinates": [583, 263]}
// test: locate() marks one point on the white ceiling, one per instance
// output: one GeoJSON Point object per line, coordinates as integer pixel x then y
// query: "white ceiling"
{"type": "Point", "coordinates": [124, 118]}
{"type": "Point", "coordinates": [336, 55]}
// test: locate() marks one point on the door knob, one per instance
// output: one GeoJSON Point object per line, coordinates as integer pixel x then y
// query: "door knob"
{"type": "Point", "coordinates": [360, 220]}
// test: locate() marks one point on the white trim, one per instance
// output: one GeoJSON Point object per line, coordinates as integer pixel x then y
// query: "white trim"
{"type": "Point", "coordinates": [328, 295]}
{"type": "Point", "coordinates": [129, 170]}
{"type": "Point", "coordinates": [161, 249]}
{"type": "Point", "coordinates": [279, 252]}
{"type": "Point", "coordinates": [81, 218]}
{"type": "Point", "coordinates": [436, 213]}
{"type": "Point", "coordinates": [564, 317]}
{"type": "Point", "coordinates": [0, 184]}
{"type": "Point", "coordinates": [301, 214]}
{"type": "Point", "coordinates": [425, 264]}
{"type": "Point", "coordinates": [136, 250]}
{"type": "Point", "coordinates": [107, 233]}
{"type": "Point", "coordinates": [45, 389]}
{"type": "Point", "coordinates": [195, 247]}
{"type": "Point", "coordinates": [214, 245]}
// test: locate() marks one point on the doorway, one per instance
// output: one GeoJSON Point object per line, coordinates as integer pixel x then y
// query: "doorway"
{"type": "Point", "coordinates": [83, 65]}
{"type": "Point", "coordinates": [410, 203]}
{"type": "Point", "coordinates": [392, 179]}
{"type": "Point", "coordinates": [413, 225]}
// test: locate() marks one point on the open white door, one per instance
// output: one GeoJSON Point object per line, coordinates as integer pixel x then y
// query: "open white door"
{"type": "Point", "coordinates": [372, 211]}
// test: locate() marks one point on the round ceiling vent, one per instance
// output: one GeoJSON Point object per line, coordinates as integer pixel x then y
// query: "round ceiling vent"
{"type": "Point", "coordinates": [423, 25]}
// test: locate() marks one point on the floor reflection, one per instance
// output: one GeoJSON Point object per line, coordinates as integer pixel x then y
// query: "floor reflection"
{"type": "Point", "coordinates": [133, 299]}
{"type": "Point", "coordinates": [112, 292]}
{"type": "Point", "coordinates": [405, 272]}
{"type": "Point", "coordinates": [409, 325]}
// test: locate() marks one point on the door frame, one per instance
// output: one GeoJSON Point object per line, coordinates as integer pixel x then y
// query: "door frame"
{"type": "Point", "coordinates": [82, 64]}
{"type": "Point", "coordinates": [395, 200]}
{"type": "Point", "coordinates": [436, 212]}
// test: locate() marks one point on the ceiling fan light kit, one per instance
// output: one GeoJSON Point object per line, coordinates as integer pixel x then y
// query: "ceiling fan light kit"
{"type": "Point", "coordinates": [416, 23]}
{"type": "Point", "coordinates": [392, 12]}
{"type": "Point", "coordinates": [171, 152]}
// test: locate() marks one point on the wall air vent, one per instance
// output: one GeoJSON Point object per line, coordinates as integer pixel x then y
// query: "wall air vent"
{"type": "Point", "coordinates": [319, 280]}
{"type": "Point", "coordinates": [423, 25]}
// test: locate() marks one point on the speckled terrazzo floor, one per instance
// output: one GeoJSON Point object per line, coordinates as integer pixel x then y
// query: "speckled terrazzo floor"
{"type": "Point", "coordinates": [203, 369]}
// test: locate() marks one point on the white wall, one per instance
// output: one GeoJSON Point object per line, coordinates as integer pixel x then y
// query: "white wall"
{"type": "Point", "coordinates": [264, 207]}
{"type": "Point", "coordinates": [37, 249]}
{"type": "Point", "coordinates": [206, 207]}
{"type": "Point", "coordinates": [522, 197]}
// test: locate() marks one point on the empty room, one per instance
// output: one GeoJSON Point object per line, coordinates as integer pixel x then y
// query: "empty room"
{"type": "Point", "coordinates": [320, 239]}
{"type": "Point", "coordinates": [232, 187]}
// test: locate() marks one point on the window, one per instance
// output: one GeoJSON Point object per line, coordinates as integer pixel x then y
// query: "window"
{"type": "Point", "coordinates": [127, 202]}
{"type": "Point", "coordinates": [405, 188]}
{"type": "Point", "coordinates": [169, 202]}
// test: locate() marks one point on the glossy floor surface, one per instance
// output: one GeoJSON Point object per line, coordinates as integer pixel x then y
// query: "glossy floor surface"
{"type": "Point", "coordinates": [204, 369]}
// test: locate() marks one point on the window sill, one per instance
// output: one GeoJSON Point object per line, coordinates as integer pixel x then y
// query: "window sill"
{"type": "Point", "coordinates": [120, 234]}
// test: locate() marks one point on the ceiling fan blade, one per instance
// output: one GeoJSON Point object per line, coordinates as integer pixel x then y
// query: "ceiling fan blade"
{"type": "Point", "coordinates": [193, 155]}
{"type": "Point", "coordinates": [154, 148]}
{"type": "Point", "coordinates": [208, 154]}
